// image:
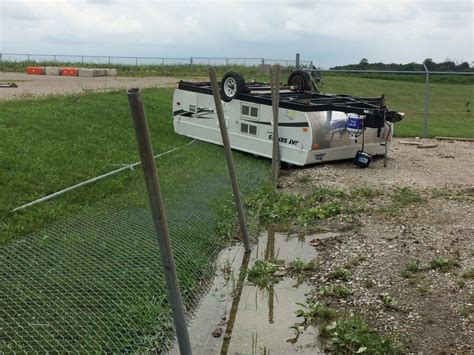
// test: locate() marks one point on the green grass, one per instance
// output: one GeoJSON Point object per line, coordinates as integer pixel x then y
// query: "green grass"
{"type": "Point", "coordinates": [404, 196]}
{"type": "Point", "coordinates": [468, 274]}
{"type": "Point", "coordinates": [334, 291]}
{"type": "Point", "coordinates": [51, 143]}
{"type": "Point", "coordinates": [262, 274]}
{"type": "Point", "coordinates": [101, 244]}
{"type": "Point", "coordinates": [298, 265]}
{"type": "Point", "coordinates": [410, 269]}
{"type": "Point", "coordinates": [340, 274]}
{"type": "Point", "coordinates": [443, 264]}
{"type": "Point", "coordinates": [314, 312]}
{"type": "Point", "coordinates": [352, 335]}
{"type": "Point", "coordinates": [451, 110]}
{"type": "Point", "coordinates": [389, 302]}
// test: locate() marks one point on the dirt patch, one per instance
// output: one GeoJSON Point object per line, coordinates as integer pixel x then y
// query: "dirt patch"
{"type": "Point", "coordinates": [409, 266]}
{"type": "Point", "coordinates": [42, 85]}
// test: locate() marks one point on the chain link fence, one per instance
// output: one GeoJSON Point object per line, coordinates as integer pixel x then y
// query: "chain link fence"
{"type": "Point", "coordinates": [144, 61]}
{"type": "Point", "coordinates": [94, 283]}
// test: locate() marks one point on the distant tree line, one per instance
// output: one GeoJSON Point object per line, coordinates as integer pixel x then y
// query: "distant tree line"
{"type": "Point", "coordinates": [447, 65]}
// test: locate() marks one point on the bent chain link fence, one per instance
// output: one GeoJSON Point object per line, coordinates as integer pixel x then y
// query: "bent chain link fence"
{"type": "Point", "coordinates": [94, 283]}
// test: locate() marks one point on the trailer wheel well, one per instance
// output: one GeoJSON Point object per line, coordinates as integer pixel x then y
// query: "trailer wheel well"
{"type": "Point", "coordinates": [232, 85]}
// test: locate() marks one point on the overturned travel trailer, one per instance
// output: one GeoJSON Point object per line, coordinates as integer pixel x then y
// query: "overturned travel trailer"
{"type": "Point", "coordinates": [313, 127]}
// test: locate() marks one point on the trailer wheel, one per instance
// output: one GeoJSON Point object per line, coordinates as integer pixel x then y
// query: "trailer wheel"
{"type": "Point", "coordinates": [232, 85]}
{"type": "Point", "coordinates": [300, 80]}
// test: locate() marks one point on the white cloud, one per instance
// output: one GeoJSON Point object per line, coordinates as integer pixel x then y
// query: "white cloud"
{"type": "Point", "coordinates": [329, 32]}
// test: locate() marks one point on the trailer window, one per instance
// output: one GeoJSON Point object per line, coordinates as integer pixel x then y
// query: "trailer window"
{"type": "Point", "coordinates": [254, 111]}
{"type": "Point", "coordinates": [244, 128]}
{"type": "Point", "coordinates": [253, 130]}
{"type": "Point", "coordinates": [249, 111]}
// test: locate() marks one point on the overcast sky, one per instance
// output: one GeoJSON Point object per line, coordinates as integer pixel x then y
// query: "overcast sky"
{"type": "Point", "coordinates": [327, 32]}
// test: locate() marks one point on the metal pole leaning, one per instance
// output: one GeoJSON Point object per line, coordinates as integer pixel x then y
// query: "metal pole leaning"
{"type": "Point", "coordinates": [142, 133]}
{"type": "Point", "coordinates": [275, 91]}
{"type": "Point", "coordinates": [230, 160]}
{"type": "Point", "coordinates": [427, 97]}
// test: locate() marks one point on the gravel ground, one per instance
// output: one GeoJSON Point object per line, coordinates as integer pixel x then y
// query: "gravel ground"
{"type": "Point", "coordinates": [433, 310]}
{"type": "Point", "coordinates": [41, 85]}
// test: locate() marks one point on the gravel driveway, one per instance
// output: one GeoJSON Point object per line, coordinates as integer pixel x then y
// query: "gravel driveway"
{"type": "Point", "coordinates": [41, 85]}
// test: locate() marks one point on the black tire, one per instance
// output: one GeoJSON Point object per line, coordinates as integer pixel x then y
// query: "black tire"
{"type": "Point", "coordinates": [232, 85]}
{"type": "Point", "coordinates": [300, 80]}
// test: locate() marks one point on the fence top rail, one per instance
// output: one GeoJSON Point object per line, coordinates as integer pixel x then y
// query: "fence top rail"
{"type": "Point", "coordinates": [394, 71]}
{"type": "Point", "coordinates": [260, 58]}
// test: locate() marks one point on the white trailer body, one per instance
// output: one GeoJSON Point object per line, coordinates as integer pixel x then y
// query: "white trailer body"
{"type": "Point", "coordinates": [306, 136]}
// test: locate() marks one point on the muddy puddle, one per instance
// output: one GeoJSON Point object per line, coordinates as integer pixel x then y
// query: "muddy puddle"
{"type": "Point", "coordinates": [237, 317]}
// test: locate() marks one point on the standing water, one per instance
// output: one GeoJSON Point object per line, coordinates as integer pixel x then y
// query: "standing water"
{"type": "Point", "coordinates": [237, 317]}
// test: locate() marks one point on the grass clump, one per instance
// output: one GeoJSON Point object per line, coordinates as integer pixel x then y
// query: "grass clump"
{"type": "Point", "coordinates": [314, 312]}
{"type": "Point", "coordinates": [304, 179]}
{"type": "Point", "coordinates": [443, 264]}
{"type": "Point", "coordinates": [410, 269]}
{"type": "Point", "coordinates": [340, 274]}
{"type": "Point", "coordinates": [335, 291]}
{"type": "Point", "coordinates": [468, 274]}
{"type": "Point", "coordinates": [298, 265]}
{"type": "Point", "coordinates": [404, 196]}
{"type": "Point", "coordinates": [389, 302]}
{"type": "Point", "coordinates": [274, 207]}
{"type": "Point", "coordinates": [353, 336]}
{"type": "Point", "coordinates": [262, 273]}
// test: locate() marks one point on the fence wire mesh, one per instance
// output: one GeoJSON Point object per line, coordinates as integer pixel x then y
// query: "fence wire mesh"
{"type": "Point", "coordinates": [94, 283]}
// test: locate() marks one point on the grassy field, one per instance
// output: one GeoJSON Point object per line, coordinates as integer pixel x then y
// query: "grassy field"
{"type": "Point", "coordinates": [98, 240]}
{"type": "Point", "coordinates": [451, 106]}
{"type": "Point", "coordinates": [51, 143]}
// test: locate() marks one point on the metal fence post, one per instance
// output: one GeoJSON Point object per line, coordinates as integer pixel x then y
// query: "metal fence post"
{"type": "Point", "coordinates": [159, 218]}
{"type": "Point", "coordinates": [136, 61]}
{"type": "Point", "coordinates": [275, 92]}
{"type": "Point", "coordinates": [427, 96]}
{"type": "Point", "coordinates": [263, 61]}
{"type": "Point", "coordinates": [297, 60]}
{"type": "Point", "coordinates": [190, 60]}
{"type": "Point", "coordinates": [230, 160]}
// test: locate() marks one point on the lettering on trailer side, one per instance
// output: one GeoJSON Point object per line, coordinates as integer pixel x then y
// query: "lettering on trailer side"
{"type": "Point", "coordinates": [285, 140]}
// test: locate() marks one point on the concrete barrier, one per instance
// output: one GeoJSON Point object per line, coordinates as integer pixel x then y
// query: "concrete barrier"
{"type": "Point", "coordinates": [90, 72]}
{"type": "Point", "coordinates": [111, 72]}
{"type": "Point", "coordinates": [52, 71]}
{"type": "Point", "coordinates": [86, 72]}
